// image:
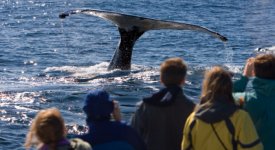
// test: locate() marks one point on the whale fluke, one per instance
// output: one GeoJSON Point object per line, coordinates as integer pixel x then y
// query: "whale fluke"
{"type": "Point", "coordinates": [131, 28]}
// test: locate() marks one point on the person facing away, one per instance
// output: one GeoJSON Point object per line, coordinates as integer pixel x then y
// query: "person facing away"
{"type": "Point", "coordinates": [160, 118]}
{"type": "Point", "coordinates": [259, 100]}
{"type": "Point", "coordinates": [104, 133]}
{"type": "Point", "coordinates": [48, 132]}
{"type": "Point", "coordinates": [217, 123]}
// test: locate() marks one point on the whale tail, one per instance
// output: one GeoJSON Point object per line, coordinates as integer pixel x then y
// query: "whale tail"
{"type": "Point", "coordinates": [131, 28]}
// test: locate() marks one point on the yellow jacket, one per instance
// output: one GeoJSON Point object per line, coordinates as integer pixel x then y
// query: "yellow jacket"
{"type": "Point", "coordinates": [203, 136]}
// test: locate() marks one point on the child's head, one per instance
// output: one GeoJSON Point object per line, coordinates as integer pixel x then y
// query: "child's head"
{"type": "Point", "coordinates": [264, 65]}
{"type": "Point", "coordinates": [48, 127]}
{"type": "Point", "coordinates": [173, 71]}
{"type": "Point", "coordinates": [217, 85]}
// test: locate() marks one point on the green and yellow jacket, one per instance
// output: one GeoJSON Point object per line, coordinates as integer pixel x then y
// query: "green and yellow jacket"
{"type": "Point", "coordinates": [259, 102]}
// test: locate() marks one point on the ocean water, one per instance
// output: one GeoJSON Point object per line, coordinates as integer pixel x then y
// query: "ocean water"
{"type": "Point", "coordinates": [42, 57]}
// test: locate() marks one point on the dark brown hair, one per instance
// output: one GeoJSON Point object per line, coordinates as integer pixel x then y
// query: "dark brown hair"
{"type": "Point", "coordinates": [217, 85]}
{"type": "Point", "coordinates": [173, 71]}
{"type": "Point", "coordinates": [265, 66]}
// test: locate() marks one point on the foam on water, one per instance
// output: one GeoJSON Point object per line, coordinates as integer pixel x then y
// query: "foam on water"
{"type": "Point", "coordinates": [99, 72]}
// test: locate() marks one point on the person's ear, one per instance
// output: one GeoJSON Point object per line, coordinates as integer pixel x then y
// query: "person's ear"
{"type": "Point", "coordinates": [160, 79]}
{"type": "Point", "coordinates": [182, 81]}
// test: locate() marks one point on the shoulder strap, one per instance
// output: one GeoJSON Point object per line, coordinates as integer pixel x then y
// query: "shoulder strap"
{"type": "Point", "coordinates": [220, 140]}
{"type": "Point", "coordinates": [192, 124]}
{"type": "Point", "coordinates": [234, 142]}
{"type": "Point", "coordinates": [231, 129]}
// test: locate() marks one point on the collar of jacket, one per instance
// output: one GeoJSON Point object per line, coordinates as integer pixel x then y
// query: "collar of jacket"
{"type": "Point", "coordinates": [164, 97]}
{"type": "Point", "coordinates": [264, 86]}
{"type": "Point", "coordinates": [215, 112]}
{"type": "Point", "coordinates": [62, 143]}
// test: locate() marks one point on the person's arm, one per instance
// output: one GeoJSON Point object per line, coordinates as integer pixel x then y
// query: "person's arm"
{"type": "Point", "coordinates": [137, 120]}
{"type": "Point", "coordinates": [256, 109]}
{"type": "Point", "coordinates": [186, 143]}
{"type": "Point", "coordinates": [135, 140]}
{"type": "Point", "coordinates": [240, 85]}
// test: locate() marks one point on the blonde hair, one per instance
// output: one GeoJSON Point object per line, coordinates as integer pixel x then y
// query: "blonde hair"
{"type": "Point", "coordinates": [217, 85]}
{"type": "Point", "coordinates": [173, 71]}
{"type": "Point", "coordinates": [48, 127]}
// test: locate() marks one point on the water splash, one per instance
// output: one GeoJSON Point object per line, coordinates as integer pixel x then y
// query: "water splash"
{"type": "Point", "coordinates": [229, 53]}
{"type": "Point", "coordinates": [269, 50]}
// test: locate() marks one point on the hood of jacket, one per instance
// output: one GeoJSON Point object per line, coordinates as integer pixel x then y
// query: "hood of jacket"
{"type": "Point", "coordinates": [264, 86]}
{"type": "Point", "coordinates": [164, 97]}
{"type": "Point", "coordinates": [215, 112]}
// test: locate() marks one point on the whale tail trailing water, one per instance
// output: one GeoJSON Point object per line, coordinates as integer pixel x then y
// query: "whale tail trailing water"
{"type": "Point", "coordinates": [131, 29]}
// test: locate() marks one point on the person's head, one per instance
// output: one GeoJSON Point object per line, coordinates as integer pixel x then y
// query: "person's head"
{"type": "Point", "coordinates": [217, 85]}
{"type": "Point", "coordinates": [98, 105]}
{"type": "Point", "coordinates": [48, 127]}
{"type": "Point", "coordinates": [173, 71]}
{"type": "Point", "coordinates": [264, 65]}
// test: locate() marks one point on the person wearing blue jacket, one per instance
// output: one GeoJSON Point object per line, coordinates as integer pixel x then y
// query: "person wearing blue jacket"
{"type": "Point", "coordinates": [259, 100]}
{"type": "Point", "coordinates": [105, 134]}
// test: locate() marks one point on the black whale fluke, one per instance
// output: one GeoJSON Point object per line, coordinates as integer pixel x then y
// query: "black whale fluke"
{"type": "Point", "coordinates": [131, 29]}
{"type": "Point", "coordinates": [67, 13]}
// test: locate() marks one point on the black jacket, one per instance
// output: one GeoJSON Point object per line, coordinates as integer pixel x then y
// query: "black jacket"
{"type": "Point", "coordinates": [160, 119]}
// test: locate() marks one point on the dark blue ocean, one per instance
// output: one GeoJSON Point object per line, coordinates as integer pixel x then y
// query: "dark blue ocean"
{"type": "Point", "coordinates": [42, 56]}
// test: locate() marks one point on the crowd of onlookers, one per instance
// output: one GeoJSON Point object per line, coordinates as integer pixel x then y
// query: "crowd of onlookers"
{"type": "Point", "coordinates": [229, 116]}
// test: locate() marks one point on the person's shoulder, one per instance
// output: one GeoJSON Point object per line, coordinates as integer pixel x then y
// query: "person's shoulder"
{"type": "Point", "coordinates": [192, 115]}
{"type": "Point", "coordinates": [139, 103]}
{"type": "Point", "coordinates": [187, 100]}
{"type": "Point", "coordinates": [240, 112]}
{"type": "Point", "coordinates": [192, 118]}
{"type": "Point", "coordinates": [142, 106]}
{"type": "Point", "coordinates": [253, 99]}
{"type": "Point", "coordinates": [124, 128]}
{"type": "Point", "coordinates": [79, 144]}
{"type": "Point", "coordinates": [240, 115]}
{"type": "Point", "coordinates": [120, 124]}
